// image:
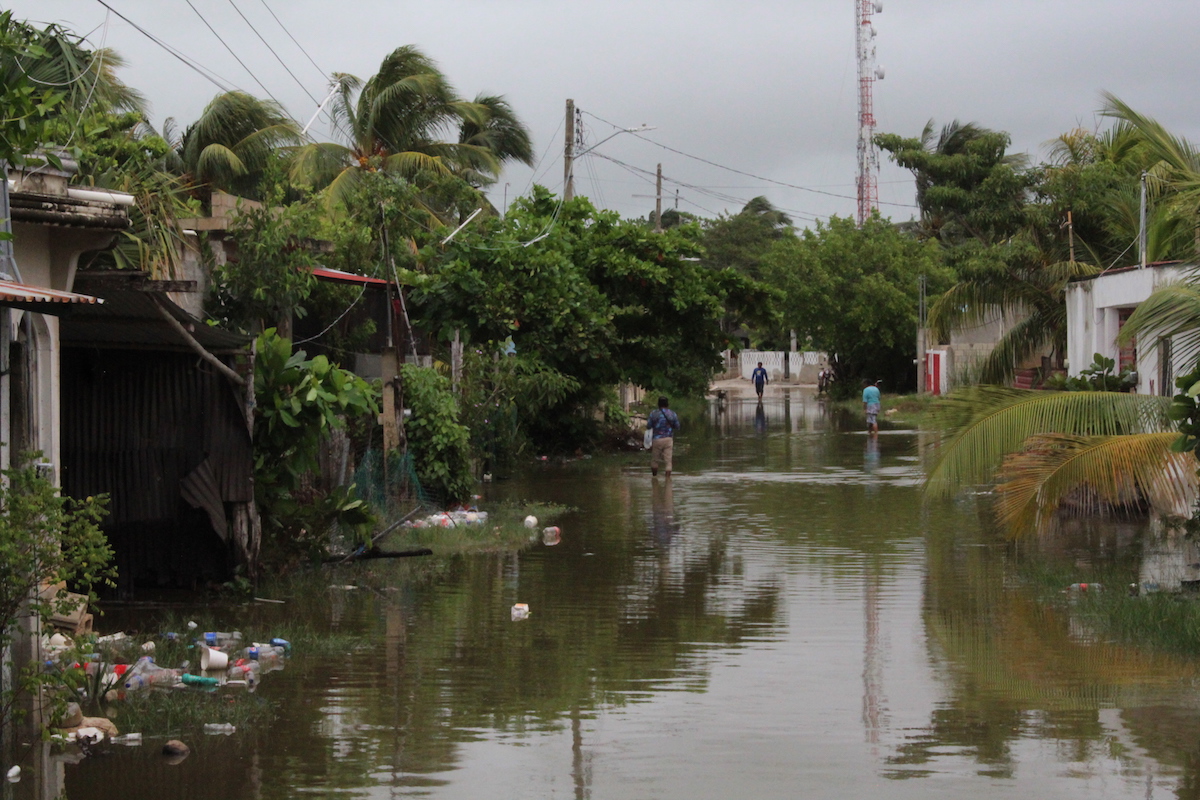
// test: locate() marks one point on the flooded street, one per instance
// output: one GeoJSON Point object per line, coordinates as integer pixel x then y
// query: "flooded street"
{"type": "Point", "coordinates": [781, 619]}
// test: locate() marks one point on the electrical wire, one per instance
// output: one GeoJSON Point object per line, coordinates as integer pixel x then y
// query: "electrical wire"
{"type": "Point", "coordinates": [324, 74]}
{"type": "Point", "coordinates": [538, 163]}
{"type": "Point", "coordinates": [728, 198]}
{"type": "Point", "coordinates": [272, 50]}
{"type": "Point", "coordinates": [328, 328]}
{"type": "Point", "coordinates": [232, 53]}
{"type": "Point", "coordinates": [742, 172]}
{"type": "Point", "coordinates": [203, 72]}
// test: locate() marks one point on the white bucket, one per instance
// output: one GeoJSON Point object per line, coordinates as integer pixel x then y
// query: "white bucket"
{"type": "Point", "coordinates": [212, 660]}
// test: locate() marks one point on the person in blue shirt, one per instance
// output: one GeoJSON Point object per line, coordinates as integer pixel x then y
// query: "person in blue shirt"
{"type": "Point", "coordinates": [664, 422]}
{"type": "Point", "coordinates": [871, 401]}
{"type": "Point", "coordinates": [759, 376]}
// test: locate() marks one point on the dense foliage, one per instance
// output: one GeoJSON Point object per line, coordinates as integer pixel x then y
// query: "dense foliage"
{"type": "Point", "coordinates": [298, 401]}
{"type": "Point", "coordinates": [45, 539]}
{"type": "Point", "coordinates": [590, 296]}
{"type": "Point", "coordinates": [852, 292]}
{"type": "Point", "coordinates": [437, 441]}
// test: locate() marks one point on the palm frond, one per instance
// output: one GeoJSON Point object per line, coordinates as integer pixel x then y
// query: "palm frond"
{"type": "Point", "coordinates": [1171, 310]}
{"type": "Point", "coordinates": [1095, 473]}
{"type": "Point", "coordinates": [986, 423]}
{"type": "Point", "coordinates": [1027, 337]}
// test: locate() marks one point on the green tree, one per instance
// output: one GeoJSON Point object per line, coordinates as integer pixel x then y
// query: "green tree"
{"type": "Point", "coordinates": [48, 74]}
{"type": "Point", "coordinates": [268, 278]}
{"type": "Point", "coordinates": [45, 539]}
{"type": "Point", "coordinates": [853, 293]}
{"type": "Point", "coordinates": [593, 297]}
{"type": "Point", "coordinates": [741, 240]}
{"type": "Point", "coordinates": [438, 443]}
{"type": "Point", "coordinates": [298, 401]}
{"type": "Point", "coordinates": [968, 185]}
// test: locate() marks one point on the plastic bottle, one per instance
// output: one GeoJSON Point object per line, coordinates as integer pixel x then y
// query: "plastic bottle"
{"type": "Point", "coordinates": [222, 638]}
{"type": "Point", "coordinates": [269, 656]}
{"type": "Point", "coordinates": [198, 680]}
{"type": "Point", "coordinates": [223, 728]}
{"type": "Point", "coordinates": [284, 643]}
{"type": "Point", "coordinates": [129, 739]}
{"type": "Point", "coordinates": [146, 673]}
{"type": "Point", "coordinates": [245, 670]}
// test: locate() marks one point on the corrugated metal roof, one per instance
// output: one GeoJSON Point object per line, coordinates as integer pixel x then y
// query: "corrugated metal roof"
{"type": "Point", "coordinates": [338, 276]}
{"type": "Point", "coordinates": [20, 295]}
{"type": "Point", "coordinates": [132, 318]}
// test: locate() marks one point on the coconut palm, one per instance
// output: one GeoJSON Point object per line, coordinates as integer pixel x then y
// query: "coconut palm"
{"type": "Point", "coordinates": [399, 121]}
{"type": "Point", "coordinates": [233, 141]}
{"type": "Point", "coordinates": [1175, 171]}
{"type": "Point", "coordinates": [500, 132]}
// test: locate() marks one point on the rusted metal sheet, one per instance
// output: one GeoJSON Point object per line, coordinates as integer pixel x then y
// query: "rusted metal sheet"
{"type": "Point", "coordinates": [135, 425]}
{"type": "Point", "coordinates": [38, 298]}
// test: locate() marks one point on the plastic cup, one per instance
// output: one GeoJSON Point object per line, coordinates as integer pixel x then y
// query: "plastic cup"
{"type": "Point", "coordinates": [213, 660]}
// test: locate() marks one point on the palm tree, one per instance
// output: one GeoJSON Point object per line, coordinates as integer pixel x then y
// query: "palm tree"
{"type": "Point", "coordinates": [230, 146]}
{"type": "Point", "coordinates": [1175, 170]}
{"type": "Point", "coordinates": [398, 121]}
{"type": "Point", "coordinates": [500, 132]}
{"type": "Point", "coordinates": [1021, 280]}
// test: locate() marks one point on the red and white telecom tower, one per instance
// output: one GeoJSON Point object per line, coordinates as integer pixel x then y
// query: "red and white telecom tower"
{"type": "Point", "coordinates": [868, 73]}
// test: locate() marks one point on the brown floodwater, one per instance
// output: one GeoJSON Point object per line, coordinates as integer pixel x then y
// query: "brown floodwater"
{"type": "Point", "coordinates": [783, 618]}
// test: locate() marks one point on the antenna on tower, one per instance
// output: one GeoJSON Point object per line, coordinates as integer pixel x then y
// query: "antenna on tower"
{"type": "Point", "coordinates": [868, 73]}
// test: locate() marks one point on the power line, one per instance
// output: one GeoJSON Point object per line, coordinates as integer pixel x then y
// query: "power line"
{"type": "Point", "coordinates": [728, 198]}
{"type": "Point", "coordinates": [324, 74]}
{"type": "Point", "coordinates": [272, 49]}
{"type": "Point", "coordinates": [232, 53]}
{"type": "Point", "coordinates": [203, 72]}
{"type": "Point", "coordinates": [742, 172]}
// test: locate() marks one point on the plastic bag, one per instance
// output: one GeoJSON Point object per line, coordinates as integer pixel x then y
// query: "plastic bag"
{"type": "Point", "coordinates": [648, 439]}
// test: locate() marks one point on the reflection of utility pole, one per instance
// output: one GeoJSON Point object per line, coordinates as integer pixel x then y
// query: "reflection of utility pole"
{"type": "Point", "coordinates": [581, 771]}
{"type": "Point", "coordinates": [873, 698]}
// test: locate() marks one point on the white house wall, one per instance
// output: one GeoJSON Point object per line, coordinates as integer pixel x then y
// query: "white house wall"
{"type": "Point", "coordinates": [1093, 320]}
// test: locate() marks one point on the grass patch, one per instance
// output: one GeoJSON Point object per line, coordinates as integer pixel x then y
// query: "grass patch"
{"type": "Point", "coordinates": [171, 712]}
{"type": "Point", "coordinates": [504, 530]}
{"type": "Point", "coordinates": [1167, 622]}
{"type": "Point", "coordinates": [910, 409]}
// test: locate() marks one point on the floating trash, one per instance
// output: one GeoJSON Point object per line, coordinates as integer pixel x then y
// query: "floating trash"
{"type": "Point", "coordinates": [551, 536]}
{"type": "Point", "coordinates": [520, 611]}
{"type": "Point", "coordinates": [531, 522]}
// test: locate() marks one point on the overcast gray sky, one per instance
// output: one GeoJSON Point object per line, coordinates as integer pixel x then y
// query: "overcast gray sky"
{"type": "Point", "coordinates": [766, 87]}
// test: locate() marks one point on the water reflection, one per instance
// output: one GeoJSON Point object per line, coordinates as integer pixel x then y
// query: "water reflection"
{"type": "Point", "coordinates": [782, 616]}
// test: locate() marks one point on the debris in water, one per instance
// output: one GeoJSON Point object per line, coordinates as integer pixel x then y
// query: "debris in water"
{"type": "Point", "coordinates": [520, 611]}
{"type": "Point", "coordinates": [531, 522]}
{"type": "Point", "coordinates": [551, 536]}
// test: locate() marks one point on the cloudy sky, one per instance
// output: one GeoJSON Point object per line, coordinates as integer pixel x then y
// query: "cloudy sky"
{"type": "Point", "coordinates": [765, 88]}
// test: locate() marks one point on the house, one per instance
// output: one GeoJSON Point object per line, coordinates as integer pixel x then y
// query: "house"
{"type": "Point", "coordinates": [1098, 307]}
{"type": "Point", "coordinates": [53, 224]}
{"type": "Point", "coordinates": [122, 391]}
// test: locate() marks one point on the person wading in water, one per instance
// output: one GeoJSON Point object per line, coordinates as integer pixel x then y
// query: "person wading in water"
{"type": "Point", "coordinates": [664, 423]}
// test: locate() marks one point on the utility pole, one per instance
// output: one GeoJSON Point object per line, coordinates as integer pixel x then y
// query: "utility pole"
{"type": "Point", "coordinates": [1071, 235]}
{"type": "Point", "coordinates": [658, 202]}
{"type": "Point", "coordinates": [1142, 225]}
{"type": "Point", "coordinates": [569, 154]}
